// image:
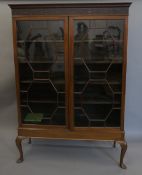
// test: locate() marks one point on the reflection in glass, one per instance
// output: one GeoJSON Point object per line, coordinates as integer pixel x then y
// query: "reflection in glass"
{"type": "Point", "coordinates": [40, 51]}
{"type": "Point", "coordinates": [98, 40]}
{"type": "Point", "coordinates": [98, 53]}
{"type": "Point", "coordinates": [40, 40]}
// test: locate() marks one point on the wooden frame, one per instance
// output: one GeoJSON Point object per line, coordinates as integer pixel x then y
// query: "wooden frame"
{"type": "Point", "coordinates": [73, 11]}
{"type": "Point", "coordinates": [15, 19]}
{"type": "Point", "coordinates": [125, 18]}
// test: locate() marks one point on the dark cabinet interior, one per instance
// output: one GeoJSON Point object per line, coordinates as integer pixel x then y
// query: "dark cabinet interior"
{"type": "Point", "coordinates": [97, 62]}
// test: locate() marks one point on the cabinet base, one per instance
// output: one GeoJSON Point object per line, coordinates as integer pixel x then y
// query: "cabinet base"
{"type": "Point", "coordinates": [122, 143]}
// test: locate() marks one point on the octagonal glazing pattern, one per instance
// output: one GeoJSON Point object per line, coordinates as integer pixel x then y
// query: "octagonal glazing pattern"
{"type": "Point", "coordinates": [40, 52]}
{"type": "Point", "coordinates": [98, 60]}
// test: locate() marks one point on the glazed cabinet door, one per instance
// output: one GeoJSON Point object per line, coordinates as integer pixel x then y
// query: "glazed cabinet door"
{"type": "Point", "coordinates": [40, 57]}
{"type": "Point", "coordinates": [97, 57]}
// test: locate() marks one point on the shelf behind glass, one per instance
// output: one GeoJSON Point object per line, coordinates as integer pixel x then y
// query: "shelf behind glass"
{"type": "Point", "coordinates": [91, 40]}
{"type": "Point", "coordinates": [42, 41]}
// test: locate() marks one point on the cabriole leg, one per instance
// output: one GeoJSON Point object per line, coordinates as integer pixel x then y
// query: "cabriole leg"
{"type": "Point", "coordinates": [114, 144]}
{"type": "Point", "coordinates": [19, 146]}
{"type": "Point", "coordinates": [123, 145]}
{"type": "Point", "coordinates": [30, 140]}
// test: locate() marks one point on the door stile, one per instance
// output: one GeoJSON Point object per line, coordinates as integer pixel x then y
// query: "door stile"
{"type": "Point", "coordinates": [71, 80]}
{"type": "Point", "coordinates": [66, 60]}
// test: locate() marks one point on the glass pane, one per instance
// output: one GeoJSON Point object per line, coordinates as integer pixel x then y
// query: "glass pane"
{"type": "Point", "coordinates": [40, 52]}
{"type": "Point", "coordinates": [98, 59]}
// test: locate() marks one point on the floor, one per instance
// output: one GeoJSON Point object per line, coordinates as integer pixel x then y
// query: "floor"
{"type": "Point", "coordinates": [64, 157]}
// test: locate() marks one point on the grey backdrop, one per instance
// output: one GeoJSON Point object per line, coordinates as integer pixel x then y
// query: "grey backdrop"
{"type": "Point", "coordinates": [133, 114]}
{"type": "Point", "coordinates": [61, 159]}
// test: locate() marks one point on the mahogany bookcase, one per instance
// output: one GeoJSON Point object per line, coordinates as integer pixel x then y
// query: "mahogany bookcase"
{"type": "Point", "coordinates": [70, 69]}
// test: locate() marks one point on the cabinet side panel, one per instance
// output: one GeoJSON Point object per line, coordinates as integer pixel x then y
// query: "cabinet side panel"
{"type": "Point", "coordinates": [16, 71]}
{"type": "Point", "coordinates": [124, 72]}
